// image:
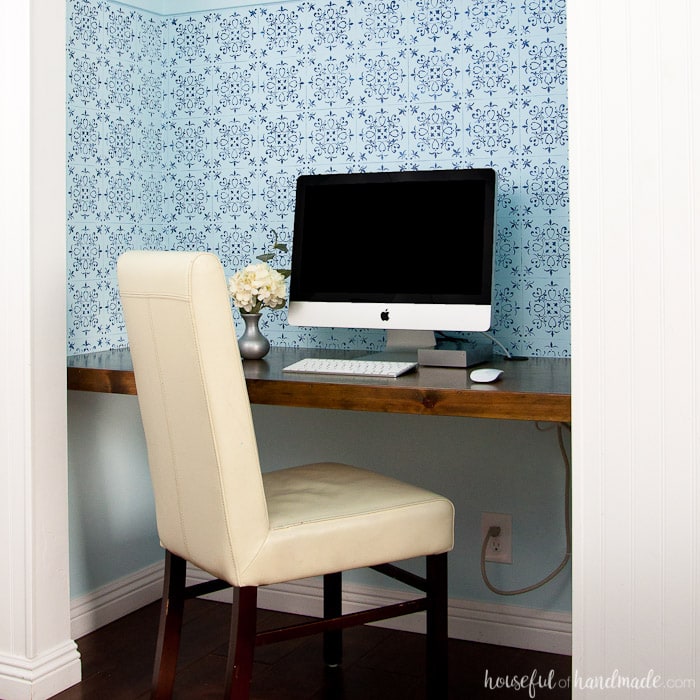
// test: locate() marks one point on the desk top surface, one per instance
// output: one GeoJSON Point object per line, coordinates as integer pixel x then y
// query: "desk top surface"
{"type": "Point", "coordinates": [535, 389]}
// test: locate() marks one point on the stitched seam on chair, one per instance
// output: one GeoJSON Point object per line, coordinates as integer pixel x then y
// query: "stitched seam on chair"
{"type": "Point", "coordinates": [151, 295]}
{"type": "Point", "coordinates": [372, 511]}
{"type": "Point", "coordinates": [257, 554]}
{"type": "Point", "coordinates": [178, 489]}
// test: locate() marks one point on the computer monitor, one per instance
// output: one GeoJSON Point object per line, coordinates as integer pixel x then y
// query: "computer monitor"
{"type": "Point", "coordinates": [410, 252]}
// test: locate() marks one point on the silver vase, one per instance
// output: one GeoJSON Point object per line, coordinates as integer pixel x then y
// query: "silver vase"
{"type": "Point", "coordinates": [253, 345]}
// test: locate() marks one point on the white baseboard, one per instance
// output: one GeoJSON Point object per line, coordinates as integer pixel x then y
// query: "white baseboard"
{"type": "Point", "coordinates": [42, 676]}
{"type": "Point", "coordinates": [116, 599]}
{"type": "Point", "coordinates": [504, 625]}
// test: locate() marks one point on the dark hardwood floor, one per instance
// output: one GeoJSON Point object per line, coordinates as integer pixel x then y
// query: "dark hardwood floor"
{"type": "Point", "coordinates": [378, 663]}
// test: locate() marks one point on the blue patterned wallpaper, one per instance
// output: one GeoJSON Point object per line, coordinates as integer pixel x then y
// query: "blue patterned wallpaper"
{"type": "Point", "coordinates": [188, 132]}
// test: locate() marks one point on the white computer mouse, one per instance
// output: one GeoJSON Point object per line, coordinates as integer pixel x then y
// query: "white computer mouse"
{"type": "Point", "coordinates": [485, 374]}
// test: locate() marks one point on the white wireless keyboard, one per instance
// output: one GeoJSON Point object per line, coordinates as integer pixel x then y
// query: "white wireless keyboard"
{"type": "Point", "coordinates": [360, 368]}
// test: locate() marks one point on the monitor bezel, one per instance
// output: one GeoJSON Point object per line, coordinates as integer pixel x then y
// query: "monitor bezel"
{"type": "Point", "coordinates": [464, 312]}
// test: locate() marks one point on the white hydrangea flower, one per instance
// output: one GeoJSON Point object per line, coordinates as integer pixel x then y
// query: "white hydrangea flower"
{"type": "Point", "coordinates": [257, 286]}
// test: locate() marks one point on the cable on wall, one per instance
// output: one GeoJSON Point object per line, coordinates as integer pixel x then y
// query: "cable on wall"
{"type": "Point", "coordinates": [506, 353]}
{"type": "Point", "coordinates": [495, 531]}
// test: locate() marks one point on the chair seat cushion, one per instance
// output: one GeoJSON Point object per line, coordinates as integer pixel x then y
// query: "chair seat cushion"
{"type": "Point", "coordinates": [329, 517]}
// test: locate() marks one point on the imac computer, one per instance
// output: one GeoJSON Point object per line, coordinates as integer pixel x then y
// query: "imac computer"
{"type": "Point", "coordinates": [409, 252]}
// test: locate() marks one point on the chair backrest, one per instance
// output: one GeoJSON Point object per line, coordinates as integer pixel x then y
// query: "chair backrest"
{"type": "Point", "coordinates": [202, 452]}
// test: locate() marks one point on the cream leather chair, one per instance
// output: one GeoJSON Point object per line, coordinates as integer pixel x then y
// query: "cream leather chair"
{"type": "Point", "coordinates": [214, 507]}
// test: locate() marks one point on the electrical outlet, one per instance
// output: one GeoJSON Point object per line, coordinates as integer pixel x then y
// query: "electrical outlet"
{"type": "Point", "coordinates": [499, 549]}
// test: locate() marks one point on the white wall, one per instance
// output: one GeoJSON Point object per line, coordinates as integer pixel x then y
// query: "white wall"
{"type": "Point", "coordinates": [635, 195]}
{"type": "Point", "coordinates": [37, 656]}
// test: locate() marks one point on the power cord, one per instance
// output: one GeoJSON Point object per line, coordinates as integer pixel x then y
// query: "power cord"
{"type": "Point", "coordinates": [493, 339]}
{"type": "Point", "coordinates": [507, 354]}
{"type": "Point", "coordinates": [495, 531]}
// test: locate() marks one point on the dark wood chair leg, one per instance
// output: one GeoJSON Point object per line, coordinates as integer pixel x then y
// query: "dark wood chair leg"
{"type": "Point", "coordinates": [436, 627]}
{"type": "Point", "coordinates": [169, 627]}
{"type": "Point", "coordinates": [332, 607]}
{"type": "Point", "coordinates": [242, 639]}
{"type": "Point", "coordinates": [241, 648]}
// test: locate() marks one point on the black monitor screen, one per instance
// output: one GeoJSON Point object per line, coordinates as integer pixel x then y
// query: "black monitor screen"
{"type": "Point", "coordinates": [414, 237]}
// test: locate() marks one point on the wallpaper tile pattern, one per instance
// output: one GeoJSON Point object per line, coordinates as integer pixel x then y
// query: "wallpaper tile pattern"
{"type": "Point", "coordinates": [188, 133]}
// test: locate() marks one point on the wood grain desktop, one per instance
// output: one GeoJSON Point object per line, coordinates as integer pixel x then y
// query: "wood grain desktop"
{"type": "Point", "coordinates": [536, 389]}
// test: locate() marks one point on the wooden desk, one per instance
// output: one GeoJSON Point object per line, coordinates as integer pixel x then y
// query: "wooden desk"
{"type": "Point", "coordinates": [537, 389]}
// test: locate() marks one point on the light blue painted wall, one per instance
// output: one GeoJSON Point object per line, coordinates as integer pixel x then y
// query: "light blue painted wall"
{"type": "Point", "coordinates": [482, 465]}
{"type": "Point", "coordinates": [111, 514]}
{"type": "Point", "coordinates": [175, 140]}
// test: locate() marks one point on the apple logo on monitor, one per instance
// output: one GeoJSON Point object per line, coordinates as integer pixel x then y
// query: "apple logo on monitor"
{"type": "Point", "coordinates": [384, 315]}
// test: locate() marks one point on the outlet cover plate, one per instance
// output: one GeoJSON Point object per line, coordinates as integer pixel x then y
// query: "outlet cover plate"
{"type": "Point", "coordinates": [499, 549]}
